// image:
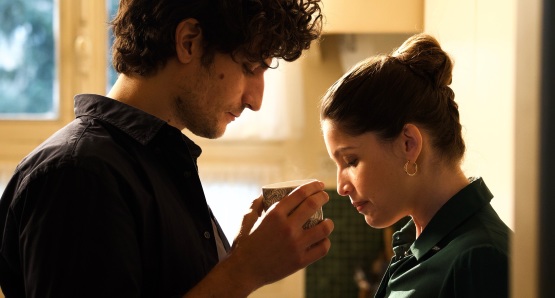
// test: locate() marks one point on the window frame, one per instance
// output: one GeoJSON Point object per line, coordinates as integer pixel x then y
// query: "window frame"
{"type": "Point", "coordinates": [80, 50]}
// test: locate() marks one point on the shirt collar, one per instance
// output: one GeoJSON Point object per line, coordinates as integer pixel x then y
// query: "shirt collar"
{"type": "Point", "coordinates": [139, 125]}
{"type": "Point", "coordinates": [460, 207]}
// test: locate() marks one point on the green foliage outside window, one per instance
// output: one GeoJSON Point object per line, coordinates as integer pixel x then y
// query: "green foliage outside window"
{"type": "Point", "coordinates": [112, 9]}
{"type": "Point", "coordinates": [27, 57]}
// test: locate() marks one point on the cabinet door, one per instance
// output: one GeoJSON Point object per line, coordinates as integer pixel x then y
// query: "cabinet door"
{"type": "Point", "coordinates": [373, 16]}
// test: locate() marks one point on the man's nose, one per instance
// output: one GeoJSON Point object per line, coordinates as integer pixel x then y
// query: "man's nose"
{"type": "Point", "coordinates": [254, 90]}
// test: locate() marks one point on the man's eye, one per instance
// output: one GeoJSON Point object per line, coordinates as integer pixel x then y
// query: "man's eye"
{"type": "Point", "coordinates": [254, 68]}
{"type": "Point", "coordinates": [248, 69]}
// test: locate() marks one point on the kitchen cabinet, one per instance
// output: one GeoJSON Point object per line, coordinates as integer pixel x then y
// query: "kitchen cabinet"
{"type": "Point", "coordinates": [373, 16]}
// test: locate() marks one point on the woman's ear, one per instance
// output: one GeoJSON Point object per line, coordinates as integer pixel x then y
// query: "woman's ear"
{"type": "Point", "coordinates": [188, 40]}
{"type": "Point", "coordinates": [411, 141]}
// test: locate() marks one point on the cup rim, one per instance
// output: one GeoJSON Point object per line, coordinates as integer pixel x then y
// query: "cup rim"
{"type": "Point", "coordinates": [288, 184]}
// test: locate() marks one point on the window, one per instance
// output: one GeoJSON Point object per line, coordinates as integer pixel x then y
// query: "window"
{"type": "Point", "coordinates": [50, 50]}
{"type": "Point", "coordinates": [111, 74]}
{"type": "Point", "coordinates": [27, 60]}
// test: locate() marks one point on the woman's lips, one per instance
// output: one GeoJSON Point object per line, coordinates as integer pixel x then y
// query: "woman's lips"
{"type": "Point", "coordinates": [360, 205]}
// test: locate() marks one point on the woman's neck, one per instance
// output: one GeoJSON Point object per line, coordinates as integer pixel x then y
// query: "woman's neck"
{"type": "Point", "coordinates": [434, 193]}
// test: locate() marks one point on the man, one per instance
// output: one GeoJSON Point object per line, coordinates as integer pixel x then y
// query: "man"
{"type": "Point", "coordinates": [112, 206]}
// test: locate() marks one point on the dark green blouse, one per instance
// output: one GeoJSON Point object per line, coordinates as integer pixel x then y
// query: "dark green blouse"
{"type": "Point", "coordinates": [463, 252]}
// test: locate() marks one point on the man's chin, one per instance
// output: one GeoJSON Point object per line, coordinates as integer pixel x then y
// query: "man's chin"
{"type": "Point", "coordinates": [212, 134]}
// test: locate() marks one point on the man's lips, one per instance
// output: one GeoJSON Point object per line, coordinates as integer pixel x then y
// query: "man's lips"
{"type": "Point", "coordinates": [234, 115]}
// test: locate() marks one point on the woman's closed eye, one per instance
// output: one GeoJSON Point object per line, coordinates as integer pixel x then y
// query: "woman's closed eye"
{"type": "Point", "coordinates": [351, 161]}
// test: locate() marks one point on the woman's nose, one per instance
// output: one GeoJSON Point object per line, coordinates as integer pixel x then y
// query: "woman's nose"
{"type": "Point", "coordinates": [343, 186]}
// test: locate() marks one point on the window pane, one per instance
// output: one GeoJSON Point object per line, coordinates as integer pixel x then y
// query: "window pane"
{"type": "Point", "coordinates": [112, 7]}
{"type": "Point", "coordinates": [27, 59]}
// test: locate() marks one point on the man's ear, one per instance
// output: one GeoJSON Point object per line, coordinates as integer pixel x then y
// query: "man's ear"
{"type": "Point", "coordinates": [411, 141]}
{"type": "Point", "coordinates": [188, 40]}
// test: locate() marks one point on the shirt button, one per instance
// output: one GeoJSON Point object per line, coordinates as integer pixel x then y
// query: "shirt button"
{"type": "Point", "coordinates": [207, 235]}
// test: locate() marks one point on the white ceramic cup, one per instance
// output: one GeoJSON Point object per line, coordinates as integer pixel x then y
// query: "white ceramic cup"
{"type": "Point", "coordinates": [272, 193]}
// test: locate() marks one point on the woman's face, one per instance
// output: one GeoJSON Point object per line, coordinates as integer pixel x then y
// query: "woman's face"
{"type": "Point", "coordinates": [370, 171]}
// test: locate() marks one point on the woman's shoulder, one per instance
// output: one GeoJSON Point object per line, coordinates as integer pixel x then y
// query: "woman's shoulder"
{"type": "Point", "coordinates": [484, 231]}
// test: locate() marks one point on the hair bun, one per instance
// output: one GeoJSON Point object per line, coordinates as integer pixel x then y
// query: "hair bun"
{"type": "Point", "coordinates": [424, 56]}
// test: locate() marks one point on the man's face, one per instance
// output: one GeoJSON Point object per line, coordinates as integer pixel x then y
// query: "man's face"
{"type": "Point", "coordinates": [219, 93]}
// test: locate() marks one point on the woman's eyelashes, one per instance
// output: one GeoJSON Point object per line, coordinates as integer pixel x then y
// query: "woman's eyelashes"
{"type": "Point", "coordinates": [350, 161]}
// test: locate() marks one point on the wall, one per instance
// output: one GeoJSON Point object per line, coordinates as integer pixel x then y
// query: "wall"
{"type": "Point", "coordinates": [483, 48]}
{"type": "Point", "coordinates": [496, 47]}
{"type": "Point", "coordinates": [524, 276]}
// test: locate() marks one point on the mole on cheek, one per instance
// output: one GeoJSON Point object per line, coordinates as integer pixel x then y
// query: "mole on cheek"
{"type": "Point", "coordinates": [221, 76]}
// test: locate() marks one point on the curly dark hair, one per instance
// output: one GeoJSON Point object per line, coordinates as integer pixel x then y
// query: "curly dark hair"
{"type": "Point", "coordinates": [144, 30]}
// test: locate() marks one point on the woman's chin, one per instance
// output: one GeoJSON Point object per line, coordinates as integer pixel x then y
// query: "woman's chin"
{"type": "Point", "coordinates": [376, 223]}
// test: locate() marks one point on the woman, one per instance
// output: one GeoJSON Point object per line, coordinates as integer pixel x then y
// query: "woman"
{"type": "Point", "coordinates": [392, 127]}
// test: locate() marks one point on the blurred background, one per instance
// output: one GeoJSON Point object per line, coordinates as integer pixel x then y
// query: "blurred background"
{"type": "Point", "coordinates": [51, 50]}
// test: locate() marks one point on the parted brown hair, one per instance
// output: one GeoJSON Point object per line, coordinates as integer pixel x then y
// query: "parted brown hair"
{"type": "Point", "coordinates": [410, 85]}
{"type": "Point", "coordinates": [144, 30]}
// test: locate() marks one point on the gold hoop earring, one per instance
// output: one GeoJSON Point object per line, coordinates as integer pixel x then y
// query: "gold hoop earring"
{"type": "Point", "coordinates": [407, 171]}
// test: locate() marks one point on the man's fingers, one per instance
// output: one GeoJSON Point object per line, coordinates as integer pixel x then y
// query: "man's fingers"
{"type": "Point", "coordinates": [320, 231]}
{"type": "Point", "coordinates": [318, 237]}
{"type": "Point", "coordinates": [256, 206]}
{"type": "Point", "coordinates": [308, 207]}
{"type": "Point", "coordinates": [250, 219]}
{"type": "Point", "coordinates": [317, 251]}
{"type": "Point", "coordinates": [291, 201]}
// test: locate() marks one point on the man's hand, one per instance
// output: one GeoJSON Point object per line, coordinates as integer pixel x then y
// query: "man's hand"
{"type": "Point", "coordinates": [278, 245]}
{"type": "Point", "coordinates": [271, 247]}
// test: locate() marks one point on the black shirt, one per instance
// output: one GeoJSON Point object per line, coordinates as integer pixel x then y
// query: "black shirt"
{"type": "Point", "coordinates": [109, 206]}
{"type": "Point", "coordinates": [462, 252]}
